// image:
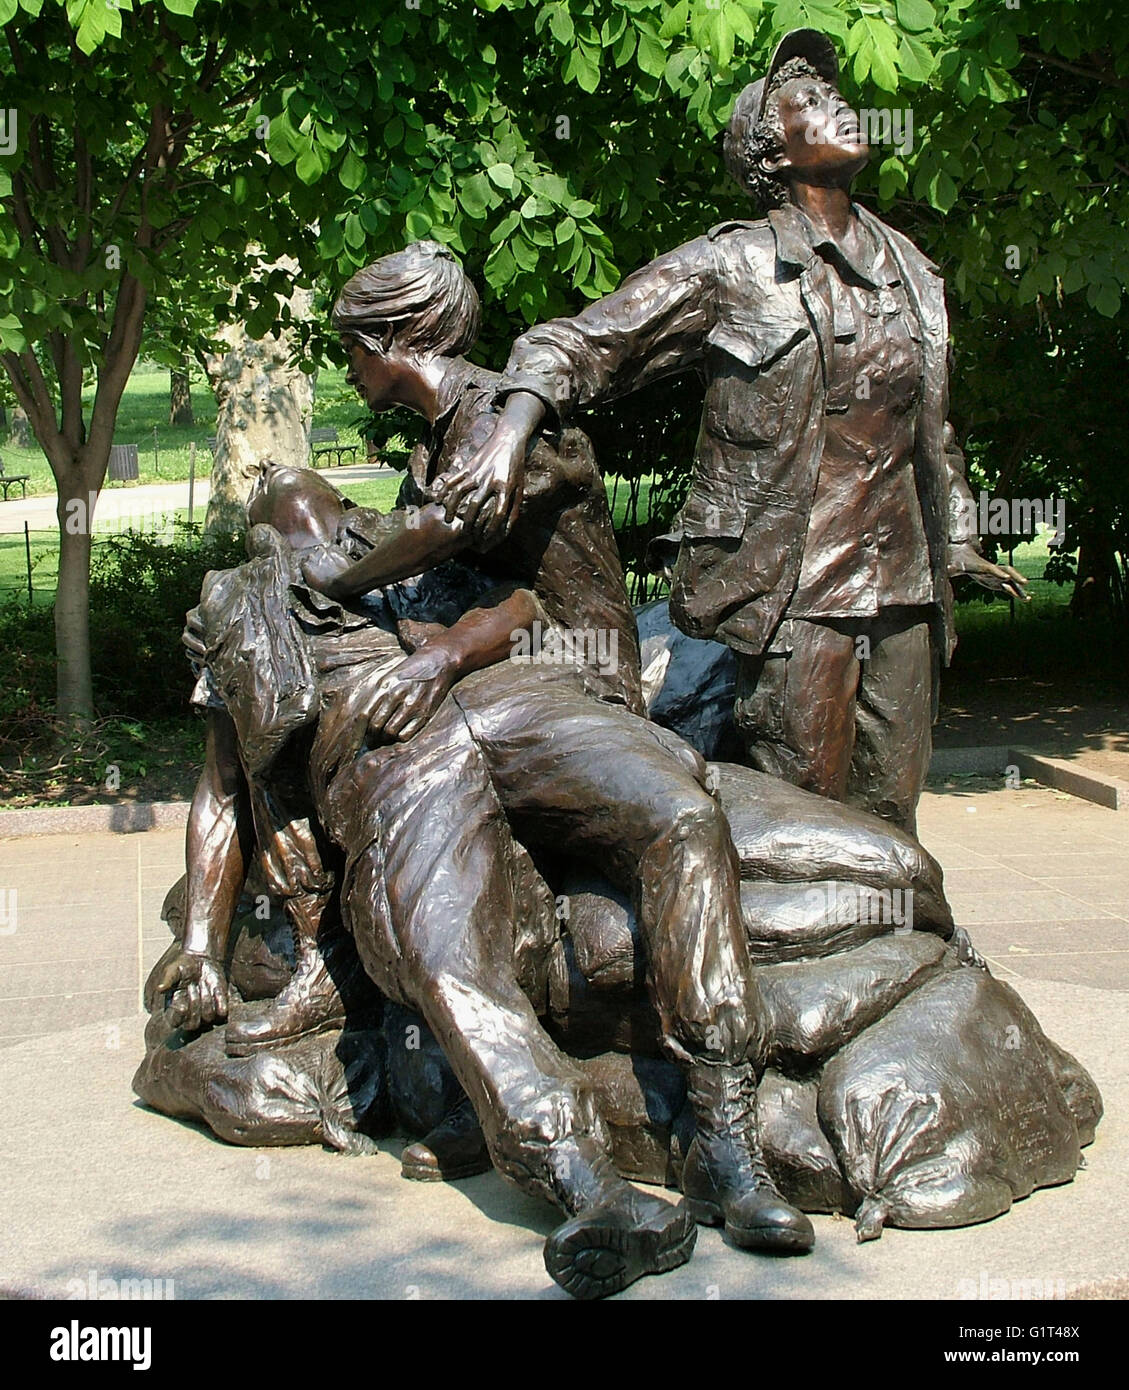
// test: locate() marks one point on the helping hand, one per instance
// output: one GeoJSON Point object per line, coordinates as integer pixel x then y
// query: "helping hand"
{"type": "Point", "coordinates": [408, 695]}
{"type": "Point", "coordinates": [323, 569]}
{"type": "Point", "coordinates": [193, 636]}
{"type": "Point", "coordinates": [963, 559]}
{"type": "Point", "coordinates": [199, 991]}
{"type": "Point", "coordinates": [485, 491]}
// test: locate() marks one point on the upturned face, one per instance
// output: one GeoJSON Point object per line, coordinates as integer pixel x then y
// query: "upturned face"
{"type": "Point", "coordinates": [299, 504]}
{"type": "Point", "coordinates": [823, 140]}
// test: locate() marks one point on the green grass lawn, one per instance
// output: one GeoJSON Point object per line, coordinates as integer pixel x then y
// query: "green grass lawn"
{"type": "Point", "coordinates": [145, 403]}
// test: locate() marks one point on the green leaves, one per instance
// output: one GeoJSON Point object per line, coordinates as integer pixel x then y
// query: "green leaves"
{"type": "Point", "coordinates": [475, 195]}
{"type": "Point", "coordinates": [675, 22]}
{"type": "Point", "coordinates": [650, 54]}
{"type": "Point", "coordinates": [915, 16]}
{"type": "Point", "coordinates": [92, 20]}
{"type": "Point", "coordinates": [12, 337]}
{"type": "Point", "coordinates": [942, 191]}
{"type": "Point", "coordinates": [353, 172]}
{"type": "Point", "coordinates": [582, 66]}
{"type": "Point", "coordinates": [874, 46]}
{"type": "Point", "coordinates": [502, 176]}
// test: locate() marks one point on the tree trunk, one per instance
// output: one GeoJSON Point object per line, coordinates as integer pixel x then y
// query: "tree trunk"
{"type": "Point", "coordinates": [74, 694]}
{"type": "Point", "coordinates": [264, 406]}
{"type": "Point", "coordinates": [180, 398]}
{"type": "Point", "coordinates": [1095, 584]}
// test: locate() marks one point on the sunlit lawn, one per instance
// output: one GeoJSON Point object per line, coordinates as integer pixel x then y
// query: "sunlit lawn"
{"type": "Point", "coordinates": [145, 404]}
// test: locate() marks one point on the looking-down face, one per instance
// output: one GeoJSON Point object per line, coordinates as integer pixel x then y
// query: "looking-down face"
{"type": "Point", "coordinates": [375, 376]}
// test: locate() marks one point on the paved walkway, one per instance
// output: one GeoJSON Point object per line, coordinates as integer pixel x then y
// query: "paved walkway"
{"type": "Point", "coordinates": [150, 499]}
{"type": "Point", "coordinates": [95, 1182]}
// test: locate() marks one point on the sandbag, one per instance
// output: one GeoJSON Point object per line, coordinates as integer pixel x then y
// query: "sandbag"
{"type": "Point", "coordinates": [806, 921]}
{"type": "Point", "coordinates": [586, 1020]}
{"type": "Point", "coordinates": [815, 1007]}
{"type": "Point", "coordinates": [600, 922]}
{"type": "Point", "coordinates": [329, 1089]}
{"type": "Point", "coordinates": [783, 922]}
{"type": "Point", "coordinates": [789, 835]}
{"type": "Point", "coordinates": [949, 1108]}
{"type": "Point", "coordinates": [796, 1150]}
{"type": "Point", "coordinates": [642, 1100]}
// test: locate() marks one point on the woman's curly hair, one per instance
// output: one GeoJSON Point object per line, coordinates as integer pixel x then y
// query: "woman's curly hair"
{"type": "Point", "coordinates": [748, 141]}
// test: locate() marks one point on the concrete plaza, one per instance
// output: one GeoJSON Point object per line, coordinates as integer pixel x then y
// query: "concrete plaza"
{"type": "Point", "coordinates": [97, 1183]}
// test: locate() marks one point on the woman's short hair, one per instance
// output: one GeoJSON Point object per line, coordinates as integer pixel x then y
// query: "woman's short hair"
{"type": "Point", "coordinates": [421, 293]}
{"type": "Point", "coordinates": [749, 140]}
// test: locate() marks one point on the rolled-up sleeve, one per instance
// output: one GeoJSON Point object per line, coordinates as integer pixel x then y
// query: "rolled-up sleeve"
{"type": "Point", "coordinates": [654, 325]}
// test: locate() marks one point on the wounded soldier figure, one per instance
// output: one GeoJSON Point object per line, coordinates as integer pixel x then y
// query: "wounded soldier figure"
{"type": "Point", "coordinates": [430, 890]}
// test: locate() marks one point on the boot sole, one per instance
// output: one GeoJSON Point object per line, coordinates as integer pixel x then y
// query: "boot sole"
{"type": "Point", "coordinates": [593, 1262]}
{"type": "Point", "coordinates": [774, 1240]}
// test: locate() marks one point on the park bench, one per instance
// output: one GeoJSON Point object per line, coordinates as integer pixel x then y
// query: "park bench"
{"type": "Point", "coordinates": [327, 438]}
{"type": "Point", "coordinates": [9, 480]}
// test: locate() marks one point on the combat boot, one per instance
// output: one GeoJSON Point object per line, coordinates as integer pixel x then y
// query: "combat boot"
{"type": "Point", "coordinates": [455, 1148]}
{"type": "Point", "coordinates": [725, 1178]}
{"type": "Point", "coordinates": [618, 1234]}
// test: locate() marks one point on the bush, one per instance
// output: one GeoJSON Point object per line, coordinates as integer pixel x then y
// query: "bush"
{"type": "Point", "coordinates": [141, 586]}
{"type": "Point", "coordinates": [140, 589]}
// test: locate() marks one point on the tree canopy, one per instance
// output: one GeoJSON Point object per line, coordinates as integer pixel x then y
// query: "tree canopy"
{"type": "Point", "coordinates": [160, 152]}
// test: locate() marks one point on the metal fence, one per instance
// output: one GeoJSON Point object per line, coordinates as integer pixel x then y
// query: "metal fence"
{"type": "Point", "coordinates": [29, 559]}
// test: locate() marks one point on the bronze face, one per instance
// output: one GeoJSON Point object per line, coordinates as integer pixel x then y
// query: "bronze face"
{"type": "Point", "coordinates": [377, 377]}
{"type": "Point", "coordinates": [823, 139]}
{"type": "Point", "coordinates": [296, 502]}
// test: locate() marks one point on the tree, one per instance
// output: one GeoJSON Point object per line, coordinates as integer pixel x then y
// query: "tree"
{"type": "Point", "coordinates": [553, 145]}
{"type": "Point", "coordinates": [180, 396]}
{"type": "Point", "coordinates": [110, 199]}
{"type": "Point", "coordinates": [264, 403]}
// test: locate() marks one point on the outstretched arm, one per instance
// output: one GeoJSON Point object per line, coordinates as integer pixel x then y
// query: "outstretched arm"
{"type": "Point", "coordinates": [964, 542]}
{"type": "Point", "coordinates": [216, 850]}
{"type": "Point", "coordinates": [416, 539]}
{"type": "Point", "coordinates": [657, 323]}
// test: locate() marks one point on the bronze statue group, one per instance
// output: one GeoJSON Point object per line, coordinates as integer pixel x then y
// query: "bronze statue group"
{"type": "Point", "coordinates": [389, 759]}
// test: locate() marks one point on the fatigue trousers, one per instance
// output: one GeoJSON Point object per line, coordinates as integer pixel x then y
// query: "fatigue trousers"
{"type": "Point", "coordinates": [844, 708]}
{"type": "Point", "coordinates": [431, 893]}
